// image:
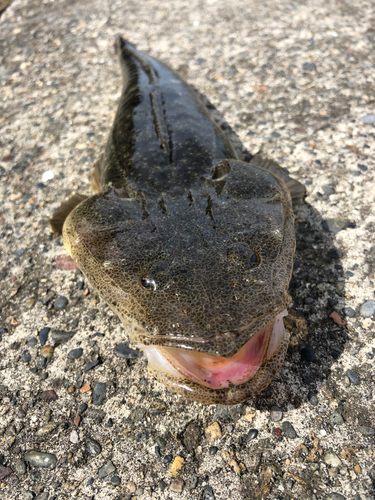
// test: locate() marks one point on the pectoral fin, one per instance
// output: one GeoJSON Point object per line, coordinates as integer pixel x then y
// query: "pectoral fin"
{"type": "Point", "coordinates": [296, 189]}
{"type": "Point", "coordinates": [58, 218]}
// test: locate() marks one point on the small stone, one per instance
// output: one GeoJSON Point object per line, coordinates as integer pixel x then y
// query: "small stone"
{"type": "Point", "coordinates": [252, 434]}
{"type": "Point", "coordinates": [60, 336]}
{"type": "Point", "coordinates": [337, 496]}
{"type": "Point", "coordinates": [106, 470]}
{"type": "Point", "coordinates": [212, 450]}
{"type": "Point", "coordinates": [358, 469]}
{"type": "Point", "coordinates": [77, 420]}
{"type": "Point", "coordinates": [332, 459]}
{"type": "Point", "coordinates": [4, 472]}
{"type": "Point", "coordinates": [90, 481]}
{"type": "Point", "coordinates": [46, 429]}
{"type": "Point", "coordinates": [348, 311]}
{"type": "Point", "coordinates": [288, 430]}
{"type": "Point", "coordinates": [176, 466]}
{"type": "Point", "coordinates": [2, 459]}
{"type": "Point", "coordinates": [308, 300]}
{"type": "Point", "coordinates": [308, 66]}
{"type": "Point", "coordinates": [124, 351]}
{"type": "Point", "coordinates": [28, 495]}
{"type": "Point", "coordinates": [109, 423]}
{"type": "Point", "coordinates": [74, 437]}
{"type": "Point", "coordinates": [130, 487]}
{"type": "Point", "coordinates": [93, 447]}
{"type": "Point", "coordinates": [161, 442]}
{"type": "Point", "coordinates": [32, 342]}
{"type": "Point", "coordinates": [71, 389]}
{"type": "Point", "coordinates": [115, 481]}
{"type": "Point", "coordinates": [368, 119]}
{"type": "Point", "coordinates": [367, 309]}
{"type": "Point", "coordinates": [213, 432]}
{"type": "Point", "coordinates": [49, 395]}
{"type": "Point", "coordinates": [162, 485]}
{"type": "Point", "coordinates": [208, 493]}
{"type": "Point", "coordinates": [313, 398]}
{"type": "Point", "coordinates": [308, 354]}
{"type": "Point", "coordinates": [337, 319]}
{"type": "Point", "coordinates": [352, 377]}
{"type": "Point", "coordinates": [47, 351]}
{"type": "Point", "coordinates": [191, 436]}
{"type": "Point", "coordinates": [328, 190]}
{"type": "Point", "coordinates": [91, 365]}
{"type": "Point", "coordinates": [21, 467]}
{"type": "Point", "coordinates": [40, 459]}
{"type": "Point", "coordinates": [334, 254]}
{"type": "Point", "coordinates": [177, 485]}
{"type": "Point", "coordinates": [336, 419]}
{"type": "Point", "coordinates": [167, 459]}
{"type": "Point", "coordinates": [61, 302]}
{"type": "Point", "coordinates": [276, 414]}
{"type": "Point", "coordinates": [26, 357]}
{"type": "Point", "coordinates": [85, 388]}
{"type": "Point", "coordinates": [82, 408]}
{"type": "Point", "coordinates": [367, 431]}
{"type": "Point", "coordinates": [43, 335]}
{"type": "Point", "coordinates": [99, 393]}
{"type": "Point", "coordinates": [75, 353]}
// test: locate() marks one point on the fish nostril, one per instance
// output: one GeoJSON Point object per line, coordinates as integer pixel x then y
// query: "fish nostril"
{"type": "Point", "coordinates": [148, 284]}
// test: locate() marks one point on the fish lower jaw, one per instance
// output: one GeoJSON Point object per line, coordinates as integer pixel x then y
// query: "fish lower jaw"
{"type": "Point", "coordinates": [216, 380]}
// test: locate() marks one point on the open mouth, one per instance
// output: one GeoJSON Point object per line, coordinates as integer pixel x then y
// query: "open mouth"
{"type": "Point", "coordinates": [215, 372]}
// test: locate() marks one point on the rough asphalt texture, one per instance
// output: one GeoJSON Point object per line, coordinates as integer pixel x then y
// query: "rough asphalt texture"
{"type": "Point", "coordinates": [293, 79]}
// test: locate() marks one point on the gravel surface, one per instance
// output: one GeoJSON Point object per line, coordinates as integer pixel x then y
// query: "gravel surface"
{"type": "Point", "coordinates": [79, 414]}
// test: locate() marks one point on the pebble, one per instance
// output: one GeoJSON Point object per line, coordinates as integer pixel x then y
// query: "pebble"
{"type": "Point", "coordinates": [49, 395]}
{"type": "Point", "coordinates": [106, 470]}
{"type": "Point", "coordinates": [115, 481]}
{"type": "Point", "coordinates": [124, 351]}
{"type": "Point", "coordinates": [27, 495]}
{"type": "Point", "coordinates": [90, 481]}
{"type": "Point", "coordinates": [313, 398]}
{"type": "Point", "coordinates": [191, 436]}
{"type": "Point", "coordinates": [213, 432]}
{"type": "Point", "coordinates": [46, 429]}
{"type": "Point", "coordinates": [177, 485]}
{"type": "Point", "coordinates": [109, 423]}
{"type": "Point", "coordinates": [161, 442]}
{"type": "Point", "coordinates": [26, 357]}
{"type": "Point", "coordinates": [60, 336]}
{"type": "Point", "coordinates": [2, 459]}
{"type": "Point", "coordinates": [334, 225]}
{"type": "Point", "coordinates": [43, 335]}
{"type": "Point", "coordinates": [252, 434]}
{"type": "Point", "coordinates": [336, 419]}
{"type": "Point", "coordinates": [47, 351]}
{"type": "Point", "coordinates": [368, 309]}
{"type": "Point", "coordinates": [40, 459]}
{"type": "Point", "coordinates": [32, 342]}
{"type": "Point", "coordinates": [308, 66]}
{"type": "Point", "coordinates": [208, 493]}
{"type": "Point", "coordinates": [368, 119]}
{"type": "Point", "coordinates": [61, 302]}
{"type": "Point", "coordinates": [167, 459]}
{"type": "Point", "coordinates": [212, 450]}
{"type": "Point", "coordinates": [74, 437]}
{"type": "Point", "coordinates": [99, 393]}
{"type": "Point", "coordinates": [337, 496]}
{"type": "Point", "coordinates": [91, 365]}
{"type": "Point", "coordinates": [367, 431]}
{"type": "Point", "coordinates": [288, 430]}
{"type": "Point", "coordinates": [93, 447]}
{"type": "Point", "coordinates": [162, 485]}
{"type": "Point", "coordinates": [21, 467]}
{"type": "Point", "coordinates": [82, 408]}
{"type": "Point", "coordinates": [4, 472]}
{"type": "Point", "coordinates": [308, 354]}
{"type": "Point", "coordinates": [276, 414]}
{"type": "Point", "coordinates": [332, 459]}
{"type": "Point", "coordinates": [75, 353]}
{"type": "Point", "coordinates": [334, 254]}
{"type": "Point", "coordinates": [350, 312]}
{"type": "Point", "coordinates": [352, 377]}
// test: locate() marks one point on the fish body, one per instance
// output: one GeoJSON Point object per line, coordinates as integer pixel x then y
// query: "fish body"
{"type": "Point", "coordinates": [189, 245]}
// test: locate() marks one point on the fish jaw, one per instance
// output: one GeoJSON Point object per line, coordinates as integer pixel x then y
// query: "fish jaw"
{"type": "Point", "coordinates": [216, 380]}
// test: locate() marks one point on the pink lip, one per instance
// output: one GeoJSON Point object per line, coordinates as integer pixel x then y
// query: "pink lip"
{"type": "Point", "coordinates": [218, 372]}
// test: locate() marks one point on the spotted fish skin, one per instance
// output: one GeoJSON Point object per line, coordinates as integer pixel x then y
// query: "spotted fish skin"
{"type": "Point", "coordinates": [191, 247]}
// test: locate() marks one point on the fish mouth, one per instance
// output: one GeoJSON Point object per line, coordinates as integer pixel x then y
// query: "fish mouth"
{"type": "Point", "coordinates": [212, 379]}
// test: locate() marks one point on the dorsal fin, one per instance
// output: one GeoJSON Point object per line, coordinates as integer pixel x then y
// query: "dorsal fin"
{"type": "Point", "coordinates": [296, 189]}
{"type": "Point", "coordinates": [58, 218]}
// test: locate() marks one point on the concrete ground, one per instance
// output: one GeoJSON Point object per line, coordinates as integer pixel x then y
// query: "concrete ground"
{"type": "Point", "coordinates": [292, 79]}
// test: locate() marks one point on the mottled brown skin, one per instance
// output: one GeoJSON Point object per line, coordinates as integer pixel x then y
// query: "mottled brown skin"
{"type": "Point", "coordinates": [191, 246]}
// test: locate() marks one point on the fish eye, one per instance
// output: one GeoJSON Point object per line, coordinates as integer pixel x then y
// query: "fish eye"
{"type": "Point", "coordinates": [148, 284]}
{"type": "Point", "coordinates": [254, 260]}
